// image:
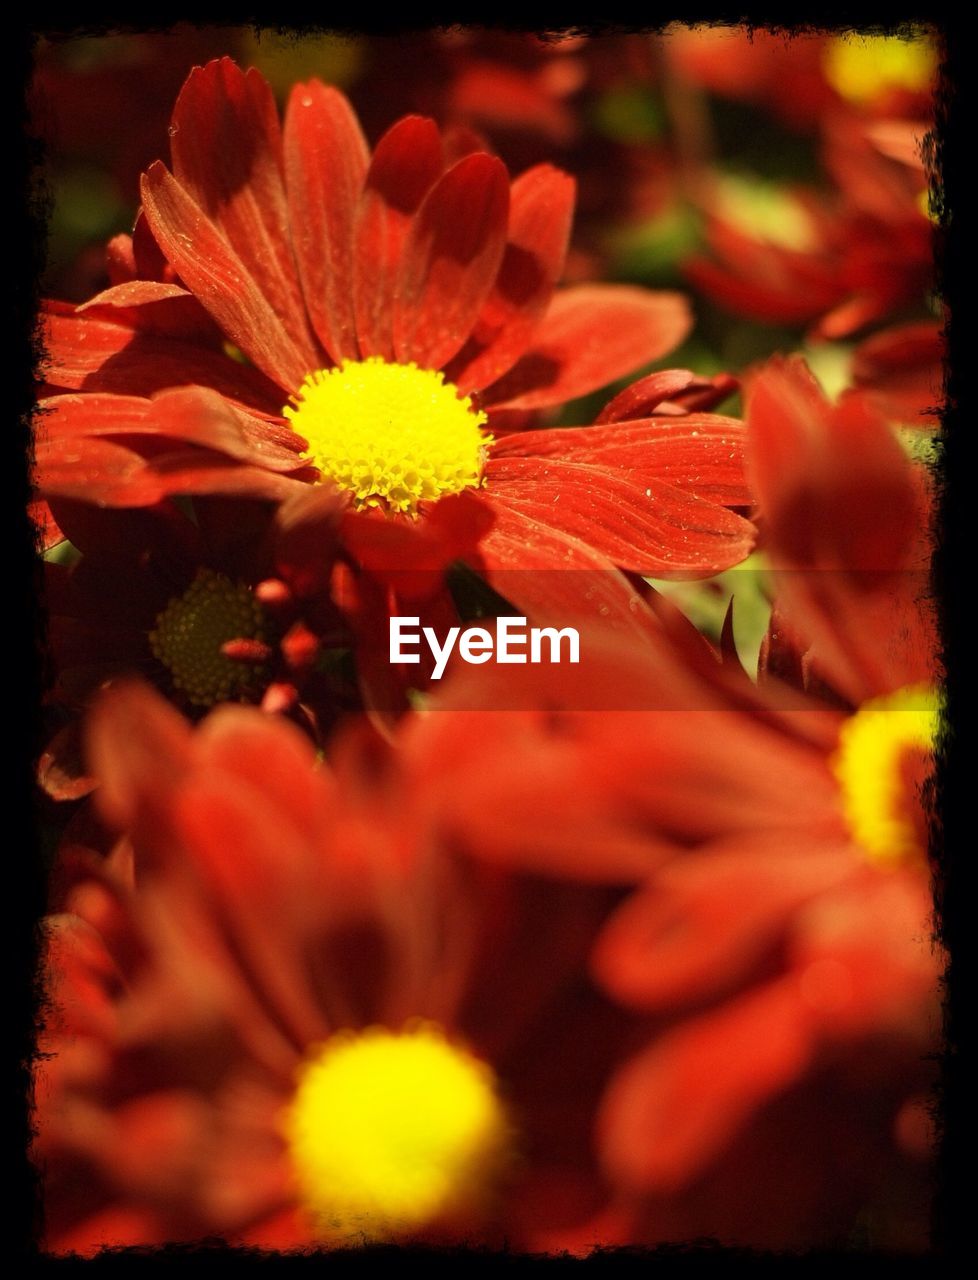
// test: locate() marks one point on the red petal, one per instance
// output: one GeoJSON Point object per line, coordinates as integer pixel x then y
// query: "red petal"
{"type": "Point", "coordinates": [306, 540]}
{"type": "Point", "coordinates": [459, 141]}
{"type": "Point", "coordinates": [592, 335]}
{"type": "Point", "coordinates": [656, 531]}
{"type": "Point", "coordinates": [266, 884]}
{"type": "Point", "coordinates": [900, 371]}
{"type": "Point", "coordinates": [670, 1110]}
{"type": "Point", "coordinates": [700, 454]}
{"type": "Point", "coordinates": [554, 822]}
{"type": "Point", "coordinates": [827, 513]}
{"type": "Point", "coordinates": [676, 390]}
{"type": "Point", "coordinates": [516, 98]}
{"type": "Point", "coordinates": [846, 518]}
{"type": "Point", "coordinates": [843, 460]}
{"type": "Point", "coordinates": [641, 399]}
{"type": "Point", "coordinates": [199, 471]}
{"type": "Point", "coordinates": [202, 417]}
{"type": "Point", "coordinates": [710, 919]}
{"type": "Point", "coordinates": [120, 260]}
{"type": "Point", "coordinates": [227, 155]}
{"type": "Point", "coordinates": [412, 556]}
{"type": "Point", "coordinates": [81, 415]}
{"type": "Point", "coordinates": [169, 536]}
{"type": "Point", "coordinates": [97, 472]}
{"type": "Point", "coordinates": [451, 257]}
{"type": "Point", "coordinates": [704, 394]}
{"type": "Point", "coordinates": [581, 582]}
{"type": "Point", "coordinates": [865, 958]}
{"type": "Point", "coordinates": [137, 746]}
{"type": "Point", "coordinates": [764, 280]}
{"type": "Point", "coordinates": [325, 164]}
{"type": "Point", "coordinates": [273, 757]}
{"type": "Point", "coordinates": [185, 413]}
{"type": "Point", "coordinates": [541, 209]}
{"type": "Point", "coordinates": [154, 307]}
{"type": "Point", "coordinates": [88, 354]}
{"type": "Point", "coordinates": [850, 315]}
{"type": "Point", "coordinates": [92, 469]}
{"type": "Point", "coordinates": [216, 275]}
{"type": "Point", "coordinates": [711, 772]}
{"type": "Point", "coordinates": [406, 164]}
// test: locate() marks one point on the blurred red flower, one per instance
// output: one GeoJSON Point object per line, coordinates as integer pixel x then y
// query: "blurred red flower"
{"type": "Point", "coordinates": [780, 933]}
{"type": "Point", "coordinates": [851, 259]}
{"type": "Point", "coordinates": [269, 922]}
{"type": "Point", "coordinates": [358, 287]}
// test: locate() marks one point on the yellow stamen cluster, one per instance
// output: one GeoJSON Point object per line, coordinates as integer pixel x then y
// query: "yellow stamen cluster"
{"type": "Point", "coordinates": [393, 435]}
{"type": "Point", "coordinates": [867, 765]}
{"type": "Point", "coordinates": [192, 628]}
{"type": "Point", "coordinates": [390, 1131]}
{"type": "Point", "coordinates": [864, 68]}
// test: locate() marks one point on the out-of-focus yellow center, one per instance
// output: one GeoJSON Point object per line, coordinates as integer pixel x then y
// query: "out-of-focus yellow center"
{"type": "Point", "coordinates": [191, 630]}
{"type": "Point", "coordinates": [393, 435]}
{"type": "Point", "coordinates": [767, 212]}
{"type": "Point", "coordinates": [867, 764]}
{"type": "Point", "coordinates": [389, 1132]}
{"type": "Point", "coordinates": [864, 68]}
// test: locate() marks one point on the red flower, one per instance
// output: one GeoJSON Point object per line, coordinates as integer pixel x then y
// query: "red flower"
{"type": "Point", "coordinates": [848, 523]}
{"type": "Point", "coordinates": [780, 931]}
{"type": "Point", "coordinates": [229, 603]}
{"type": "Point", "coordinates": [353, 284]}
{"type": "Point", "coordinates": [282, 1015]}
{"type": "Point", "coordinates": [853, 260]}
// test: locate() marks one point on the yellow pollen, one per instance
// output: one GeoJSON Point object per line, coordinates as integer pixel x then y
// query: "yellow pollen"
{"type": "Point", "coordinates": [390, 1131]}
{"type": "Point", "coordinates": [864, 68]}
{"type": "Point", "coordinates": [393, 435]}
{"type": "Point", "coordinates": [191, 630]}
{"type": "Point", "coordinates": [867, 764]}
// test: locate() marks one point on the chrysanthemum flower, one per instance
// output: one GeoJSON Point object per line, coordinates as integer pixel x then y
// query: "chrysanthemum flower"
{"type": "Point", "coordinates": [228, 602]}
{"type": "Point", "coordinates": [837, 263]}
{"type": "Point", "coordinates": [282, 1014]}
{"type": "Point", "coordinates": [381, 323]}
{"type": "Point", "coordinates": [848, 535]}
{"type": "Point", "coordinates": [781, 928]}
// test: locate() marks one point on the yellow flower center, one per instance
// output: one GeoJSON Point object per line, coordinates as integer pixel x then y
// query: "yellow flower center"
{"type": "Point", "coordinates": [864, 68]}
{"type": "Point", "coordinates": [391, 1131]}
{"type": "Point", "coordinates": [393, 435]}
{"type": "Point", "coordinates": [767, 212]}
{"type": "Point", "coordinates": [867, 764]}
{"type": "Point", "coordinates": [191, 630]}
